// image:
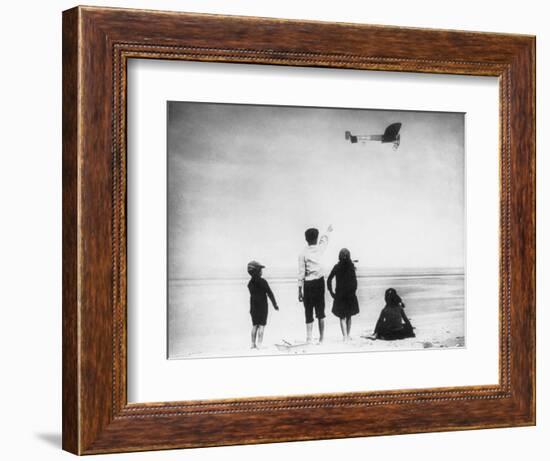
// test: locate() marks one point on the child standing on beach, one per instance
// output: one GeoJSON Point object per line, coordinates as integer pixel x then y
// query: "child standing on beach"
{"type": "Point", "coordinates": [311, 281]}
{"type": "Point", "coordinates": [259, 292]}
{"type": "Point", "coordinates": [345, 300]}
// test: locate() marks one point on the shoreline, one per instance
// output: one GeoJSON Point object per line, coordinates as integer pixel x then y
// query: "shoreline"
{"type": "Point", "coordinates": [210, 319]}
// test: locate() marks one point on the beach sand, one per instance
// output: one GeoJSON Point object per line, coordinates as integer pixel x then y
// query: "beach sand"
{"type": "Point", "coordinates": [210, 318]}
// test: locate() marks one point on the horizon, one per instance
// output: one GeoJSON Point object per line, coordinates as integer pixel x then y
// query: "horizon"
{"type": "Point", "coordinates": [362, 271]}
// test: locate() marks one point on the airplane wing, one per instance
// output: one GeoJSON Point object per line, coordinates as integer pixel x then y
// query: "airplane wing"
{"type": "Point", "coordinates": [392, 132]}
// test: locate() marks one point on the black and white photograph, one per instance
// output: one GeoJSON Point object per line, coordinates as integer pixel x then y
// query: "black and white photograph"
{"type": "Point", "coordinates": [258, 231]}
{"type": "Point", "coordinates": [314, 230]}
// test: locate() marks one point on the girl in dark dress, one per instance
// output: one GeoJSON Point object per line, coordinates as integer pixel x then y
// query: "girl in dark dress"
{"type": "Point", "coordinates": [345, 300]}
{"type": "Point", "coordinates": [393, 323]}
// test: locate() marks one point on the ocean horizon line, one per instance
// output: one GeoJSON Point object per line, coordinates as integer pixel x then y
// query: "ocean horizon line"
{"type": "Point", "coordinates": [280, 274]}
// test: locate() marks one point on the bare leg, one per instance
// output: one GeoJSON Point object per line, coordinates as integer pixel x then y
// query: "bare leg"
{"type": "Point", "coordinates": [348, 325]}
{"type": "Point", "coordinates": [343, 327]}
{"type": "Point", "coordinates": [253, 336]}
{"type": "Point", "coordinates": [321, 330]}
{"type": "Point", "coordinates": [260, 337]}
{"type": "Point", "coordinates": [309, 330]}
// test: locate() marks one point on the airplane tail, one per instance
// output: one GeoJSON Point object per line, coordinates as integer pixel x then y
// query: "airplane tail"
{"type": "Point", "coordinates": [350, 137]}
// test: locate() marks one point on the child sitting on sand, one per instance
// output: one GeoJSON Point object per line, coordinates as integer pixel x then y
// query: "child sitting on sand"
{"type": "Point", "coordinates": [345, 300]}
{"type": "Point", "coordinates": [259, 291]}
{"type": "Point", "coordinates": [393, 322]}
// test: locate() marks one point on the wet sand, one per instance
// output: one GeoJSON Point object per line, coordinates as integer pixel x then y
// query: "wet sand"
{"type": "Point", "coordinates": [210, 318]}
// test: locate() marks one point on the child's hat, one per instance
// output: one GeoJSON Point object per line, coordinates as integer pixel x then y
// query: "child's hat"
{"type": "Point", "coordinates": [254, 265]}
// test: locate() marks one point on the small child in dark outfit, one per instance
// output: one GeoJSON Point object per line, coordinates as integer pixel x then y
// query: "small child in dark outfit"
{"type": "Point", "coordinates": [259, 291]}
{"type": "Point", "coordinates": [345, 300]}
{"type": "Point", "coordinates": [393, 323]}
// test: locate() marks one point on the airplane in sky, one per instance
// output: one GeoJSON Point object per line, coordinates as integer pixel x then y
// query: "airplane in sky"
{"type": "Point", "coordinates": [391, 134]}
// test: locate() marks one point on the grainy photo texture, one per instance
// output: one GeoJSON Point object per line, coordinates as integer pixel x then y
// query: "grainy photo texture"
{"type": "Point", "coordinates": [305, 230]}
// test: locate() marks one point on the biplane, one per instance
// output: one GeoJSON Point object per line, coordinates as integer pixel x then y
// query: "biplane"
{"type": "Point", "coordinates": [391, 135]}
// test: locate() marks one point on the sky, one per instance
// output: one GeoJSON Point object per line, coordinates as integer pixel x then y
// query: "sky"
{"type": "Point", "coordinates": [245, 181]}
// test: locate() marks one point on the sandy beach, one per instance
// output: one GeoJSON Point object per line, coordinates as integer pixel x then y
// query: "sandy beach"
{"type": "Point", "coordinates": [209, 318]}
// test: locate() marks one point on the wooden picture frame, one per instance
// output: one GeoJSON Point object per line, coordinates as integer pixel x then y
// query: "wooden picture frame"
{"type": "Point", "coordinates": [97, 44]}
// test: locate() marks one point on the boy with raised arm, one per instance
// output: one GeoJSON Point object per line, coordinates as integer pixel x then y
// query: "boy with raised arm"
{"type": "Point", "coordinates": [311, 280]}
